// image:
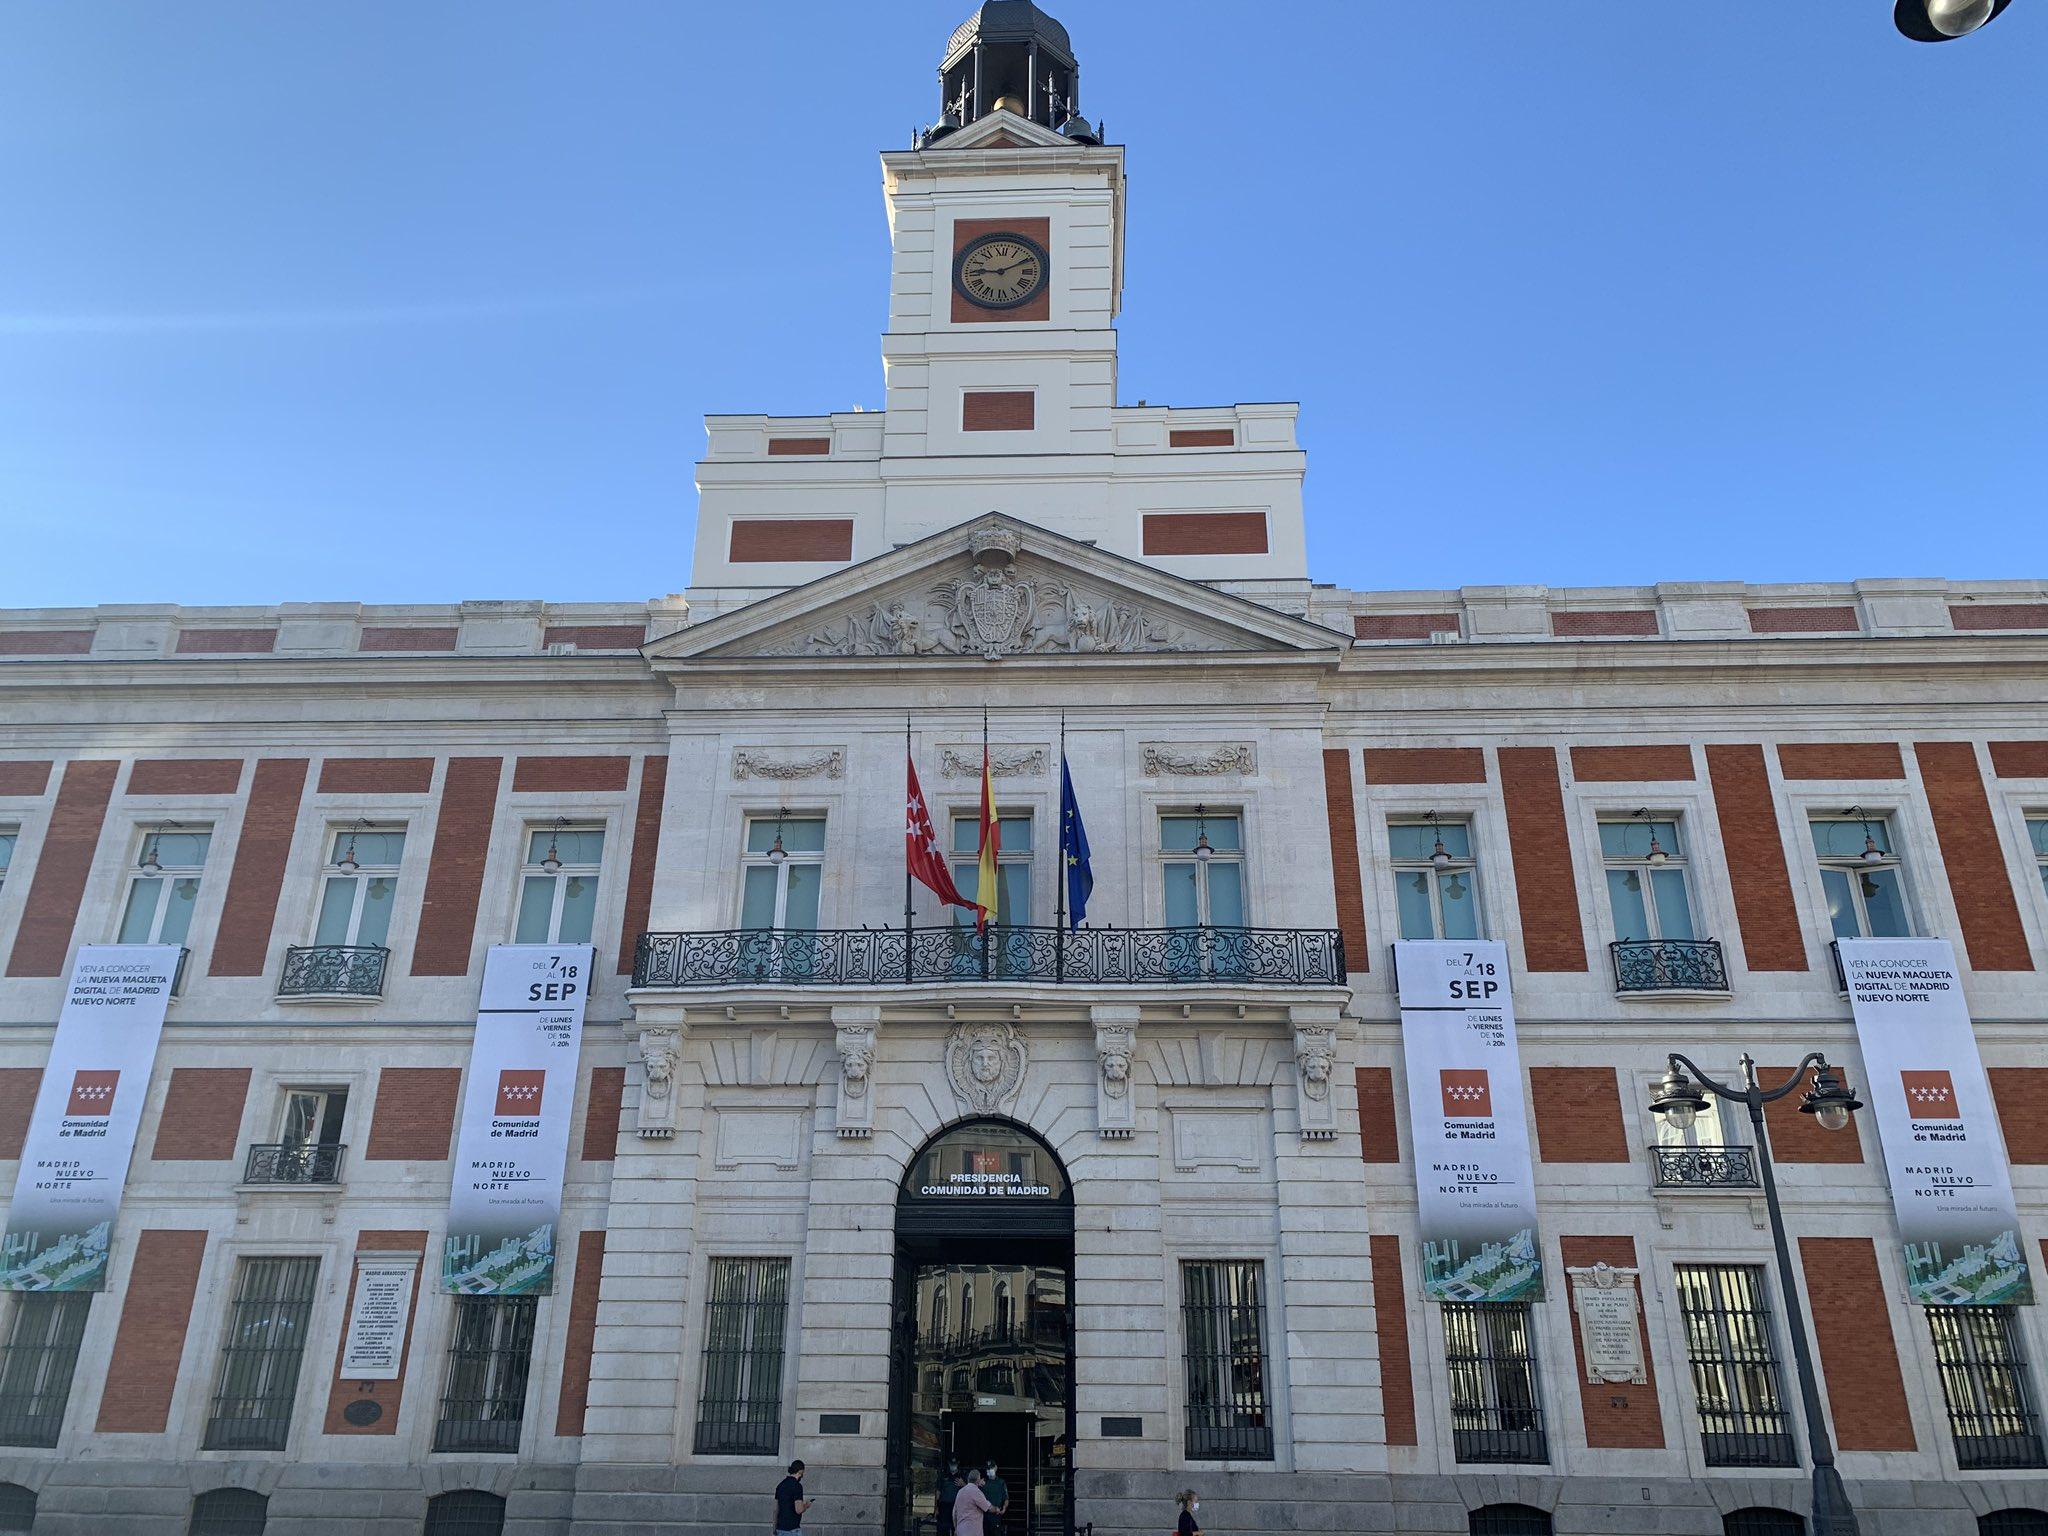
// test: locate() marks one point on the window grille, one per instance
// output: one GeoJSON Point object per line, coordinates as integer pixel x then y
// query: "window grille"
{"type": "Point", "coordinates": [489, 1356]}
{"type": "Point", "coordinates": [2013, 1522]}
{"type": "Point", "coordinates": [1225, 1315]}
{"type": "Point", "coordinates": [739, 1411]}
{"type": "Point", "coordinates": [1761, 1521]}
{"type": "Point", "coordinates": [259, 1362]}
{"type": "Point", "coordinates": [467, 1512]}
{"type": "Point", "coordinates": [1507, 1519]}
{"type": "Point", "coordinates": [1984, 1378]}
{"type": "Point", "coordinates": [1496, 1404]}
{"type": "Point", "coordinates": [17, 1508]}
{"type": "Point", "coordinates": [1735, 1374]}
{"type": "Point", "coordinates": [229, 1512]}
{"type": "Point", "coordinates": [36, 1365]}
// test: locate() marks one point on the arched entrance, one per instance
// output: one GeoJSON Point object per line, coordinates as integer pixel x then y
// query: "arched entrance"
{"type": "Point", "coordinates": [981, 1363]}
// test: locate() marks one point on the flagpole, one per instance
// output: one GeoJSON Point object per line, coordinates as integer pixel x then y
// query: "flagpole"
{"type": "Point", "coordinates": [1059, 922]}
{"type": "Point", "coordinates": [987, 789]}
{"type": "Point", "coordinates": [906, 859]}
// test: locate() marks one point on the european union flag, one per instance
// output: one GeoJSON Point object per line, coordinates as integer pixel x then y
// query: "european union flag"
{"type": "Point", "coordinates": [1074, 849]}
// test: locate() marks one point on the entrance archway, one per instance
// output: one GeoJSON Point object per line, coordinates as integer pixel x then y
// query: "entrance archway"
{"type": "Point", "coordinates": [981, 1363]}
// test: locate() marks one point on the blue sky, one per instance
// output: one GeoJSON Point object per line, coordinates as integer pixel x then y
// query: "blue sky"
{"type": "Point", "coordinates": [407, 301]}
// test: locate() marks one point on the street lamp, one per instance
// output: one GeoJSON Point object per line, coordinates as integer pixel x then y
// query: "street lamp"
{"type": "Point", "coordinates": [1831, 1102]}
{"type": "Point", "coordinates": [1941, 21]}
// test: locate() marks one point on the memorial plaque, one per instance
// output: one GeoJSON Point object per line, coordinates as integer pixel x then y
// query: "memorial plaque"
{"type": "Point", "coordinates": [375, 1345]}
{"type": "Point", "coordinates": [1610, 1325]}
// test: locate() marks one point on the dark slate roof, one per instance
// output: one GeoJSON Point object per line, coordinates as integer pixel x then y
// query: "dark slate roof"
{"type": "Point", "coordinates": [1008, 21]}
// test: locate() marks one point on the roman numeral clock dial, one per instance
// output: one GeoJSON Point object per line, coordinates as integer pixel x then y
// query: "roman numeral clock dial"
{"type": "Point", "coordinates": [1000, 271]}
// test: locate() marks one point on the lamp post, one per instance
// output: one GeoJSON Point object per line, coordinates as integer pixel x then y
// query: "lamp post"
{"type": "Point", "coordinates": [1941, 21]}
{"type": "Point", "coordinates": [1831, 1102]}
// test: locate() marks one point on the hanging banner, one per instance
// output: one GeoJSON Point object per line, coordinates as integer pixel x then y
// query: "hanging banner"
{"type": "Point", "coordinates": [1950, 1184]}
{"type": "Point", "coordinates": [1473, 1183]}
{"type": "Point", "coordinates": [74, 1160]}
{"type": "Point", "coordinates": [514, 1140]}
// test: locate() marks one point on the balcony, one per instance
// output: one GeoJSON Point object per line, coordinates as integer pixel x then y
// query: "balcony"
{"type": "Point", "coordinates": [1668, 965]}
{"type": "Point", "coordinates": [294, 1163]}
{"type": "Point", "coordinates": [333, 971]}
{"type": "Point", "coordinates": [870, 957]}
{"type": "Point", "coordinates": [1705, 1167]}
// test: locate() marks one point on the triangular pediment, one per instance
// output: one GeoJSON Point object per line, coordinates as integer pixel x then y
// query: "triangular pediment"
{"type": "Point", "coordinates": [1004, 129]}
{"type": "Point", "coordinates": [997, 589]}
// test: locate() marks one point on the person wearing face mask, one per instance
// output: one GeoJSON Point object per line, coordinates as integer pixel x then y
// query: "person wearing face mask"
{"type": "Point", "coordinates": [1188, 1505]}
{"type": "Point", "coordinates": [997, 1492]}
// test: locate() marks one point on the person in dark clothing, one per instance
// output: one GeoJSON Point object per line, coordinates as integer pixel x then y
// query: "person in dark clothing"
{"type": "Point", "coordinates": [790, 1502]}
{"type": "Point", "coordinates": [1188, 1505]}
{"type": "Point", "coordinates": [997, 1492]}
{"type": "Point", "coordinates": [949, 1489]}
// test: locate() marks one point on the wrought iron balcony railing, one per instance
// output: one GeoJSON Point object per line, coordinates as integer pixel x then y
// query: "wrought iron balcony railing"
{"type": "Point", "coordinates": [1084, 957]}
{"type": "Point", "coordinates": [333, 970]}
{"type": "Point", "coordinates": [1668, 965]}
{"type": "Point", "coordinates": [1705, 1167]}
{"type": "Point", "coordinates": [294, 1163]}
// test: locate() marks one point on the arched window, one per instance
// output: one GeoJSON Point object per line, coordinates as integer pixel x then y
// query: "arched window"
{"type": "Point", "coordinates": [1508, 1520]}
{"type": "Point", "coordinates": [966, 1307]}
{"type": "Point", "coordinates": [2013, 1522]}
{"type": "Point", "coordinates": [229, 1512]}
{"type": "Point", "coordinates": [468, 1512]}
{"type": "Point", "coordinates": [1761, 1520]}
{"type": "Point", "coordinates": [939, 1314]}
{"type": "Point", "coordinates": [1006, 1311]}
{"type": "Point", "coordinates": [17, 1507]}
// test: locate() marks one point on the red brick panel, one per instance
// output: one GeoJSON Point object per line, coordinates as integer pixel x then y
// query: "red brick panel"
{"type": "Point", "coordinates": [387, 1395]}
{"type": "Point", "coordinates": [1803, 621]}
{"type": "Point", "coordinates": [1201, 437]}
{"type": "Point", "coordinates": [185, 776]}
{"type": "Point", "coordinates": [1755, 851]}
{"type": "Point", "coordinates": [413, 1119]}
{"type": "Point", "coordinates": [1993, 936]}
{"type": "Point", "coordinates": [561, 775]}
{"type": "Point", "coordinates": [798, 447]}
{"type": "Point", "coordinates": [581, 1342]}
{"type": "Point", "coordinates": [1390, 1322]}
{"type": "Point", "coordinates": [1205, 533]}
{"type": "Point", "coordinates": [1841, 760]}
{"type": "Point", "coordinates": [1797, 1137]}
{"type": "Point", "coordinates": [226, 642]}
{"type": "Point", "coordinates": [1632, 765]}
{"type": "Point", "coordinates": [202, 1115]}
{"type": "Point", "coordinates": [646, 847]}
{"type": "Point", "coordinates": [1578, 1115]}
{"type": "Point", "coordinates": [24, 778]}
{"type": "Point", "coordinates": [45, 642]}
{"type": "Point", "coordinates": [596, 637]}
{"type": "Point", "coordinates": [1998, 615]}
{"type": "Point", "coordinates": [1425, 765]}
{"type": "Point", "coordinates": [376, 775]}
{"type": "Point", "coordinates": [150, 1341]}
{"type": "Point", "coordinates": [1859, 1353]}
{"type": "Point", "coordinates": [1618, 1415]}
{"type": "Point", "coordinates": [1344, 871]}
{"type": "Point", "coordinates": [601, 1114]}
{"type": "Point", "coordinates": [1545, 888]}
{"type": "Point", "coordinates": [250, 909]}
{"type": "Point", "coordinates": [1039, 307]}
{"type": "Point", "coordinates": [1402, 626]}
{"type": "Point", "coordinates": [1379, 1138]}
{"type": "Point", "coordinates": [455, 874]}
{"type": "Point", "coordinates": [2020, 759]}
{"type": "Point", "coordinates": [1574, 623]}
{"type": "Point", "coordinates": [74, 832]}
{"type": "Point", "coordinates": [2022, 1097]}
{"type": "Point", "coordinates": [776, 540]}
{"type": "Point", "coordinates": [18, 1087]}
{"type": "Point", "coordinates": [998, 410]}
{"type": "Point", "coordinates": [388, 637]}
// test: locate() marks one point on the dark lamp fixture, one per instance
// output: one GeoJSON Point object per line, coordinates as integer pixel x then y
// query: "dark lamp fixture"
{"type": "Point", "coordinates": [348, 863]}
{"type": "Point", "coordinates": [1678, 1099]}
{"type": "Point", "coordinates": [1203, 852]}
{"type": "Point", "coordinates": [552, 861]}
{"type": "Point", "coordinates": [1830, 1101]}
{"type": "Point", "coordinates": [1657, 855]}
{"type": "Point", "coordinates": [150, 864]}
{"type": "Point", "coordinates": [1872, 854]}
{"type": "Point", "coordinates": [776, 852]}
{"type": "Point", "coordinates": [1943, 21]}
{"type": "Point", "coordinates": [1440, 856]}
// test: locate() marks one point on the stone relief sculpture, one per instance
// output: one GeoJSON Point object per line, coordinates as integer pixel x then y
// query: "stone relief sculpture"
{"type": "Point", "coordinates": [658, 1051]}
{"type": "Point", "coordinates": [855, 1039]}
{"type": "Point", "coordinates": [1198, 761]}
{"type": "Point", "coordinates": [1021, 762]}
{"type": "Point", "coordinates": [986, 1065]}
{"type": "Point", "coordinates": [1116, 1041]}
{"type": "Point", "coordinates": [760, 763]}
{"type": "Point", "coordinates": [1315, 1060]}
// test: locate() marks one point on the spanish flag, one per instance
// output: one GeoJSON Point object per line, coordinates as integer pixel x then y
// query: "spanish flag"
{"type": "Point", "coordinates": [987, 900]}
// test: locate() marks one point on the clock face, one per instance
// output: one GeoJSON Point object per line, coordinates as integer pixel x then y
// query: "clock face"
{"type": "Point", "coordinates": [1000, 271]}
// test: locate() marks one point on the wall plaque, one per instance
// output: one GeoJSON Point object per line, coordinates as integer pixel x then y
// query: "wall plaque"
{"type": "Point", "coordinates": [1610, 1326]}
{"type": "Point", "coordinates": [374, 1349]}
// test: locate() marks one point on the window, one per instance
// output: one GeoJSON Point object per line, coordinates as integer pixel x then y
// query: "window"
{"type": "Point", "coordinates": [1009, 954]}
{"type": "Point", "coordinates": [355, 905]}
{"type": "Point", "coordinates": [1761, 1521]}
{"type": "Point", "coordinates": [1861, 877]}
{"type": "Point", "coordinates": [229, 1512]}
{"type": "Point", "coordinates": [308, 1146]}
{"type": "Point", "coordinates": [489, 1357]}
{"type": "Point", "coordinates": [1203, 890]}
{"type": "Point", "coordinates": [259, 1361]}
{"type": "Point", "coordinates": [1984, 1380]}
{"type": "Point", "coordinates": [313, 1116]}
{"type": "Point", "coordinates": [1436, 900]}
{"type": "Point", "coordinates": [1734, 1360]}
{"type": "Point", "coordinates": [558, 885]}
{"type": "Point", "coordinates": [739, 1411]}
{"type": "Point", "coordinates": [1224, 1311]}
{"type": "Point", "coordinates": [2037, 834]}
{"type": "Point", "coordinates": [469, 1512]}
{"type": "Point", "coordinates": [1507, 1520]}
{"type": "Point", "coordinates": [9, 836]}
{"type": "Point", "coordinates": [1711, 1151]}
{"type": "Point", "coordinates": [2013, 1522]}
{"type": "Point", "coordinates": [17, 1508]}
{"type": "Point", "coordinates": [165, 888]}
{"type": "Point", "coordinates": [37, 1363]}
{"type": "Point", "coordinates": [1646, 879]}
{"type": "Point", "coordinates": [1490, 1358]}
{"type": "Point", "coordinates": [782, 892]}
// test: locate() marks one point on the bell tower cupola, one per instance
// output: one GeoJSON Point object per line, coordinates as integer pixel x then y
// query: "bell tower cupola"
{"type": "Point", "coordinates": [1010, 56]}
